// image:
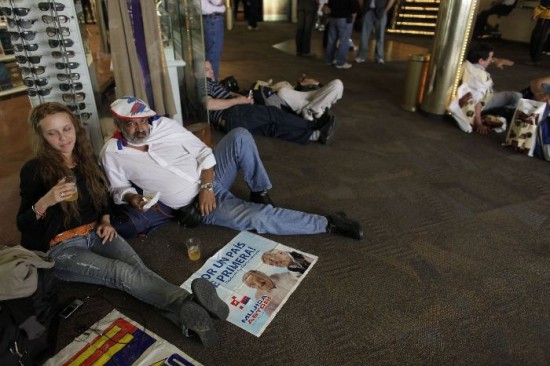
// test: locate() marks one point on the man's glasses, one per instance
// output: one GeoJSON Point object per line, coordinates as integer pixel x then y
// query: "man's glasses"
{"type": "Point", "coordinates": [40, 92]}
{"type": "Point", "coordinates": [31, 59]}
{"type": "Point", "coordinates": [50, 6]}
{"type": "Point", "coordinates": [51, 31]}
{"type": "Point", "coordinates": [37, 82]}
{"type": "Point", "coordinates": [76, 107]}
{"type": "Point", "coordinates": [66, 65]}
{"type": "Point", "coordinates": [59, 19]}
{"type": "Point", "coordinates": [22, 23]}
{"type": "Point", "coordinates": [65, 77]}
{"type": "Point", "coordinates": [67, 87]}
{"type": "Point", "coordinates": [76, 97]}
{"type": "Point", "coordinates": [26, 35]}
{"type": "Point", "coordinates": [27, 47]}
{"type": "Point", "coordinates": [39, 70]}
{"type": "Point", "coordinates": [67, 54]}
{"type": "Point", "coordinates": [20, 12]}
{"type": "Point", "coordinates": [65, 43]}
{"type": "Point", "coordinates": [134, 124]}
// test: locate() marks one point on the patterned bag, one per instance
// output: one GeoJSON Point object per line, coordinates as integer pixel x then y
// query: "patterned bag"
{"type": "Point", "coordinates": [522, 135]}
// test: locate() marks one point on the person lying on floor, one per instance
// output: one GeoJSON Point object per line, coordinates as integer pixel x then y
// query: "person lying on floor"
{"type": "Point", "coordinates": [476, 96]}
{"type": "Point", "coordinates": [158, 154]}
{"type": "Point", "coordinates": [539, 90]}
{"type": "Point", "coordinates": [71, 223]}
{"type": "Point", "coordinates": [309, 98]}
{"type": "Point", "coordinates": [228, 110]}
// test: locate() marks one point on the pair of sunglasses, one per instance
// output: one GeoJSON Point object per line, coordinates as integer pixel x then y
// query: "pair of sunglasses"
{"type": "Point", "coordinates": [65, 77]}
{"type": "Point", "coordinates": [76, 107]}
{"type": "Point", "coordinates": [50, 6]}
{"type": "Point", "coordinates": [67, 54]}
{"type": "Point", "coordinates": [37, 82]}
{"type": "Point", "coordinates": [20, 12]}
{"type": "Point", "coordinates": [73, 86]}
{"type": "Point", "coordinates": [66, 65]}
{"type": "Point", "coordinates": [19, 47]}
{"type": "Point", "coordinates": [31, 59]}
{"type": "Point", "coordinates": [39, 70]}
{"type": "Point", "coordinates": [84, 116]}
{"type": "Point", "coordinates": [52, 31]}
{"type": "Point", "coordinates": [26, 35]}
{"type": "Point", "coordinates": [48, 19]}
{"type": "Point", "coordinates": [21, 23]}
{"type": "Point", "coordinates": [75, 97]}
{"type": "Point", "coordinates": [40, 92]}
{"type": "Point", "coordinates": [64, 42]}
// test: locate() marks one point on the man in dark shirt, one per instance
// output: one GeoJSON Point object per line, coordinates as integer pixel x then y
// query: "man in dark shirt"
{"type": "Point", "coordinates": [229, 110]}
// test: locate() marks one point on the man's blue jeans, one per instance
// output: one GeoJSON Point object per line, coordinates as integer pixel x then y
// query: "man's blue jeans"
{"type": "Point", "coordinates": [237, 151]}
{"type": "Point", "coordinates": [369, 21]}
{"type": "Point", "coordinates": [116, 265]}
{"type": "Point", "coordinates": [213, 40]}
{"type": "Point", "coordinates": [339, 32]}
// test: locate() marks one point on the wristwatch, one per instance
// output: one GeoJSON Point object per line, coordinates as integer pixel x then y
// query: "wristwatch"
{"type": "Point", "coordinates": [208, 186]}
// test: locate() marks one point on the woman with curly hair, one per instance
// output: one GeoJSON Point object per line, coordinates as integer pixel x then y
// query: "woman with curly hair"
{"type": "Point", "coordinates": [76, 232]}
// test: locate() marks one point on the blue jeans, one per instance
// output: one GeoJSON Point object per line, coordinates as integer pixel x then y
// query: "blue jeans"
{"type": "Point", "coordinates": [508, 99]}
{"type": "Point", "coordinates": [339, 32]}
{"type": "Point", "coordinates": [116, 265]}
{"type": "Point", "coordinates": [237, 151]}
{"type": "Point", "coordinates": [213, 40]}
{"type": "Point", "coordinates": [268, 121]}
{"type": "Point", "coordinates": [379, 25]}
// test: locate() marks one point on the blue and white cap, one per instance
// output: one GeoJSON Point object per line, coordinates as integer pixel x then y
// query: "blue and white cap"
{"type": "Point", "coordinates": [131, 107]}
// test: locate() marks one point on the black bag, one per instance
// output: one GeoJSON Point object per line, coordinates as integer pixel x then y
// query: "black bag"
{"type": "Point", "coordinates": [230, 83]}
{"type": "Point", "coordinates": [189, 216]}
{"type": "Point", "coordinates": [28, 325]}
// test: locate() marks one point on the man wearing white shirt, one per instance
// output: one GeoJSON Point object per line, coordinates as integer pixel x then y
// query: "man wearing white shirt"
{"type": "Point", "coordinates": [157, 154]}
{"type": "Point", "coordinates": [213, 13]}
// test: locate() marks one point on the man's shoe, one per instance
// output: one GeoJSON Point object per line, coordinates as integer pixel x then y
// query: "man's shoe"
{"type": "Point", "coordinates": [327, 131]}
{"type": "Point", "coordinates": [195, 319]}
{"type": "Point", "coordinates": [204, 294]}
{"type": "Point", "coordinates": [345, 65]}
{"type": "Point", "coordinates": [339, 223]}
{"type": "Point", "coordinates": [380, 61]}
{"type": "Point", "coordinates": [359, 60]}
{"type": "Point", "coordinates": [261, 197]}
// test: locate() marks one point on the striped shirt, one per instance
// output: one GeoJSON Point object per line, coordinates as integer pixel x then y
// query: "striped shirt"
{"type": "Point", "coordinates": [217, 91]}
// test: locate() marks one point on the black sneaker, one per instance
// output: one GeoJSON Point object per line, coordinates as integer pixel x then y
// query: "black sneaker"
{"type": "Point", "coordinates": [327, 131]}
{"type": "Point", "coordinates": [195, 320]}
{"type": "Point", "coordinates": [339, 223]}
{"type": "Point", "coordinates": [204, 294]}
{"type": "Point", "coordinates": [261, 197]}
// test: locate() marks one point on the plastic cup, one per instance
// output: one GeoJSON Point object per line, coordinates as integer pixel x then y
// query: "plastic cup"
{"type": "Point", "coordinates": [72, 179]}
{"type": "Point", "coordinates": [193, 248]}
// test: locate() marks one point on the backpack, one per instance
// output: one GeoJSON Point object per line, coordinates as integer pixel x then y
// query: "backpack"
{"type": "Point", "coordinates": [28, 325]}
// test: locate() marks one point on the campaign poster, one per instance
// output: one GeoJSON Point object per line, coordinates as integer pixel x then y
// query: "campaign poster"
{"type": "Point", "coordinates": [119, 341]}
{"type": "Point", "coordinates": [255, 276]}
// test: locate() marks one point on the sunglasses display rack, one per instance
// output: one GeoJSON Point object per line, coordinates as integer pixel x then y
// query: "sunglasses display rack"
{"type": "Point", "coordinates": [48, 47]}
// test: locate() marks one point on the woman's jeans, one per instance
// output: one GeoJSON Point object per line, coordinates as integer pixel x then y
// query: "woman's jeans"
{"type": "Point", "coordinates": [338, 40]}
{"type": "Point", "coordinates": [115, 264]}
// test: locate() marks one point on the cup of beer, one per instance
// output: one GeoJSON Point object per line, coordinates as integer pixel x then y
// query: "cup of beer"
{"type": "Point", "coordinates": [72, 179]}
{"type": "Point", "coordinates": [193, 248]}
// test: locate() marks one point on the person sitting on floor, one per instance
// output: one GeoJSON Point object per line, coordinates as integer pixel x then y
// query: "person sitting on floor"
{"type": "Point", "coordinates": [158, 154]}
{"type": "Point", "coordinates": [228, 110]}
{"type": "Point", "coordinates": [71, 223]}
{"type": "Point", "coordinates": [475, 95]}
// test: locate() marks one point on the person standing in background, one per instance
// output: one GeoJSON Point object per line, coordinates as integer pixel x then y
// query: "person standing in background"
{"type": "Point", "coordinates": [541, 13]}
{"type": "Point", "coordinates": [253, 14]}
{"type": "Point", "coordinates": [375, 15]}
{"type": "Point", "coordinates": [307, 10]}
{"type": "Point", "coordinates": [341, 17]}
{"type": "Point", "coordinates": [498, 7]}
{"type": "Point", "coordinates": [213, 22]}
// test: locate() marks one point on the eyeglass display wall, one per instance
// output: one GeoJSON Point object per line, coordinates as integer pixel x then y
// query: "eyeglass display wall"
{"type": "Point", "coordinates": [48, 46]}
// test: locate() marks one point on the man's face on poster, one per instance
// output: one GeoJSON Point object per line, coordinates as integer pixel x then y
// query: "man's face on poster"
{"type": "Point", "coordinates": [259, 281]}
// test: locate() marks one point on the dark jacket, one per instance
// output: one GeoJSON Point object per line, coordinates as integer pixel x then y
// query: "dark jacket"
{"type": "Point", "coordinates": [36, 234]}
{"type": "Point", "coordinates": [343, 8]}
{"type": "Point", "coordinates": [309, 6]}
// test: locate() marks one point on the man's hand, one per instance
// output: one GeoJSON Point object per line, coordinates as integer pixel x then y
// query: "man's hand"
{"type": "Point", "coordinates": [207, 201]}
{"type": "Point", "coordinates": [501, 62]}
{"type": "Point", "coordinates": [135, 200]}
{"type": "Point", "coordinates": [241, 99]}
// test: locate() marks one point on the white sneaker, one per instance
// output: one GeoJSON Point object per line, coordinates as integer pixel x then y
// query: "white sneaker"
{"type": "Point", "coordinates": [380, 61]}
{"type": "Point", "coordinates": [345, 65]}
{"type": "Point", "coordinates": [359, 60]}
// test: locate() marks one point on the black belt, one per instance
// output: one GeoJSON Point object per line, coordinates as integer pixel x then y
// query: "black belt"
{"type": "Point", "coordinates": [213, 15]}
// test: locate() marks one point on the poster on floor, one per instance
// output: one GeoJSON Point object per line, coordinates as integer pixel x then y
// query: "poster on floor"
{"type": "Point", "coordinates": [118, 340]}
{"type": "Point", "coordinates": [254, 276]}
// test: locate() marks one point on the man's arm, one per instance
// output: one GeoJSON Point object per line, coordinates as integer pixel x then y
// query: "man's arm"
{"type": "Point", "coordinates": [214, 104]}
{"type": "Point", "coordinates": [501, 62]}
{"type": "Point", "coordinates": [207, 199]}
